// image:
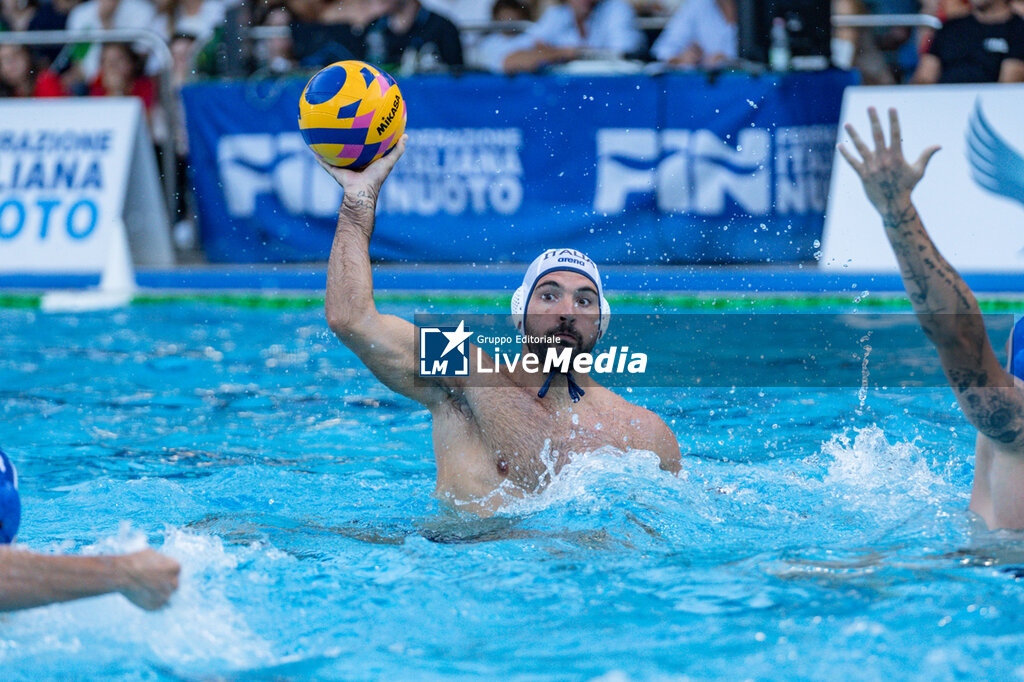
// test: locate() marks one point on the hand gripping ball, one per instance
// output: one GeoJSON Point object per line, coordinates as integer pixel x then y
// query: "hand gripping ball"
{"type": "Point", "coordinates": [351, 114]}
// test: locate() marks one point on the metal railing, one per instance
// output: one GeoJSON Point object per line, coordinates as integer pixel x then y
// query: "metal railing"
{"type": "Point", "coordinates": [657, 23]}
{"type": "Point", "coordinates": [166, 93]}
{"type": "Point", "coordinates": [886, 21]}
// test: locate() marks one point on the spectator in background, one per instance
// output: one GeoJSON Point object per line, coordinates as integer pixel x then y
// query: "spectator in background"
{"type": "Point", "coordinates": [275, 54]}
{"type": "Point", "coordinates": [413, 39]}
{"type": "Point", "coordinates": [464, 14]}
{"type": "Point", "coordinates": [895, 42]}
{"type": "Point", "coordinates": [491, 50]}
{"type": "Point", "coordinates": [29, 15]}
{"type": "Point", "coordinates": [339, 32]}
{"type": "Point", "coordinates": [656, 8]}
{"type": "Point", "coordinates": [987, 46]}
{"type": "Point", "coordinates": [946, 10]}
{"type": "Point", "coordinates": [702, 34]}
{"type": "Point", "coordinates": [576, 28]}
{"type": "Point", "coordinates": [106, 14]}
{"type": "Point", "coordinates": [943, 10]}
{"type": "Point", "coordinates": [21, 75]}
{"type": "Point", "coordinates": [197, 18]}
{"type": "Point", "coordinates": [855, 48]}
{"type": "Point", "coordinates": [122, 74]}
{"type": "Point", "coordinates": [64, 7]}
{"type": "Point", "coordinates": [305, 10]}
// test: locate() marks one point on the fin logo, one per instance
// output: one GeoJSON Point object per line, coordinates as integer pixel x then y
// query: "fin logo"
{"type": "Point", "coordinates": [995, 164]}
{"type": "Point", "coordinates": [444, 351]}
{"type": "Point", "coordinates": [757, 171]}
{"type": "Point", "coordinates": [273, 170]}
{"type": "Point", "coordinates": [689, 171]}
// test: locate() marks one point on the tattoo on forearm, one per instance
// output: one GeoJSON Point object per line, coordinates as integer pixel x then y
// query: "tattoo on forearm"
{"type": "Point", "coordinates": [999, 418]}
{"type": "Point", "coordinates": [963, 379]}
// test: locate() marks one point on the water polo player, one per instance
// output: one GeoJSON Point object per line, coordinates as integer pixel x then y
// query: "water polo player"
{"type": "Point", "coordinates": [991, 397]}
{"type": "Point", "coordinates": [27, 579]}
{"type": "Point", "coordinates": [10, 501]}
{"type": "Point", "coordinates": [503, 433]}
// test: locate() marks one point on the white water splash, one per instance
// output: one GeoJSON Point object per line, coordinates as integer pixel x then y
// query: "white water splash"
{"type": "Point", "coordinates": [199, 625]}
{"type": "Point", "coordinates": [583, 482]}
{"type": "Point", "coordinates": [871, 464]}
{"type": "Point", "coordinates": [862, 394]}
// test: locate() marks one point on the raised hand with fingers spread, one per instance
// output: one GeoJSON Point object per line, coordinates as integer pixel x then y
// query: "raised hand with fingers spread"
{"type": "Point", "coordinates": [887, 176]}
{"type": "Point", "coordinates": [949, 315]}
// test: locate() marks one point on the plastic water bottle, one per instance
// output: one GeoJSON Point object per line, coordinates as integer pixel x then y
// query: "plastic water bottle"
{"type": "Point", "coordinates": [376, 51]}
{"type": "Point", "coordinates": [779, 54]}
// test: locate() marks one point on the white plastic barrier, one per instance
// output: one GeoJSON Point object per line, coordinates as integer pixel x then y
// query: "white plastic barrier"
{"type": "Point", "coordinates": [972, 196]}
{"type": "Point", "coordinates": [79, 191]}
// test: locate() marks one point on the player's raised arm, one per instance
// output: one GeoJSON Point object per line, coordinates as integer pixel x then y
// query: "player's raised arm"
{"type": "Point", "coordinates": [385, 343]}
{"type": "Point", "coordinates": [945, 306]}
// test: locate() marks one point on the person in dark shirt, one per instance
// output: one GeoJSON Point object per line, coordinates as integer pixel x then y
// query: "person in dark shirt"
{"type": "Point", "coordinates": [986, 46]}
{"type": "Point", "coordinates": [338, 33]}
{"type": "Point", "coordinates": [413, 39]}
{"type": "Point", "coordinates": [30, 15]}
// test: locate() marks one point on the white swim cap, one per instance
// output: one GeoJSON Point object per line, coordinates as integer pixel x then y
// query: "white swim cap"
{"type": "Point", "coordinates": [558, 260]}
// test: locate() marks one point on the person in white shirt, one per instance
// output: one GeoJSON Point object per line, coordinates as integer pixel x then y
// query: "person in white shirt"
{"type": "Point", "coordinates": [106, 14]}
{"type": "Point", "coordinates": [575, 28]}
{"type": "Point", "coordinates": [199, 18]}
{"type": "Point", "coordinates": [490, 52]}
{"type": "Point", "coordinates": [702, 34]}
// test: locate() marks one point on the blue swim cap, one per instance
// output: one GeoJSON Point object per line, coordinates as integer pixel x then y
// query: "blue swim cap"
{"type": "Point", "coordinates": [1017, 349]}
{"type": "Point", "coordinates": [10, 502]}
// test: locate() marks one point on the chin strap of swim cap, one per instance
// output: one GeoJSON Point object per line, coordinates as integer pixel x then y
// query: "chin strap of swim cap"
{"type": "Point", "coordinates": [10, 501]}
{"type": "Point", "coordinates": [575, 392]}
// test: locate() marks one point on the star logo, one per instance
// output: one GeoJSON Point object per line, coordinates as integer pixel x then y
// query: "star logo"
{"type": "Point", "coordinates": [444, 351]}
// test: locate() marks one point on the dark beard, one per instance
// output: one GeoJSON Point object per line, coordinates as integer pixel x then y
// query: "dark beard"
{"type": "Point", "coordinates": [541, 349]}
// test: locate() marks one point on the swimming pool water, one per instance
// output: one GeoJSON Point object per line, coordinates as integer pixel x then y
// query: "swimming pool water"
{"type": "Point", "coordinates": [813, 533]}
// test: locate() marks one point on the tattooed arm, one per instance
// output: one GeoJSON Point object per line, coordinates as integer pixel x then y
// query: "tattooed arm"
{"type": "Point", "coordinates": [385, 343]}
{"type": "Point", "coordinates": [945, 306]}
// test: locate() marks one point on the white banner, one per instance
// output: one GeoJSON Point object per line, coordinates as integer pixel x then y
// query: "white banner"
{"type": "Point", "coordinates": [972, 196]}
{"type": "Point", "coordinates": [74, 174]}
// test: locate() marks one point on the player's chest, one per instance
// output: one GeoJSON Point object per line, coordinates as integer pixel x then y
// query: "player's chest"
{"type": "Point", "coordinates": [531, 451]}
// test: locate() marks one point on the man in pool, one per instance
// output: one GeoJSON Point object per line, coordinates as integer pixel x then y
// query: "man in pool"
{"type": "Point", "coordinates": [991, 397]}
{"type": "Point", "coordinates": [501, 434]}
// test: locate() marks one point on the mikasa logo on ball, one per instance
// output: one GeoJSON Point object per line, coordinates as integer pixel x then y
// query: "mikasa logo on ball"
{"type": "Point", "coordinates": [390, 117]}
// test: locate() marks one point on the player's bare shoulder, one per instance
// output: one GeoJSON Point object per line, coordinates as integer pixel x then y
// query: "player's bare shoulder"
{"type": "Point", "coordinates": [649, 432]}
